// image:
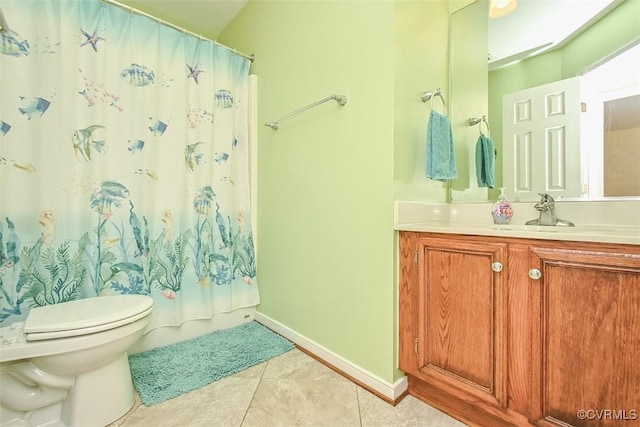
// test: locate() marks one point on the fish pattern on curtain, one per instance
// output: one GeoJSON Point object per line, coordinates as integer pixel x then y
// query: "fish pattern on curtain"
{"type": "Point", "coordinates": [124, 163]}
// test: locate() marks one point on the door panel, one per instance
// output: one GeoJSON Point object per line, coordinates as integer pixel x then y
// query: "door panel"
{"type": "Point", "coordinates": [541, 140]}
{"type": "Point", "coordinates": [459, 328]}
{"type": "Point", "coordinates": [462, 331]}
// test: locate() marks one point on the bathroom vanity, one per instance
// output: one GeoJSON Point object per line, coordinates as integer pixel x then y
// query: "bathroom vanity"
{"type": "Point", "coordinates": [520, 325]}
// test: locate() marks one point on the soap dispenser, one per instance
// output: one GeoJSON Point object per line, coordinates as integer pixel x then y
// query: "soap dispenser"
{"type": "Point", "coordinates": [502, 210]}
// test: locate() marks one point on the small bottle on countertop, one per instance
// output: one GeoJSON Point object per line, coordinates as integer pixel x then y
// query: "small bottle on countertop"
{"type": "Point", "coordinates": [502, 210]}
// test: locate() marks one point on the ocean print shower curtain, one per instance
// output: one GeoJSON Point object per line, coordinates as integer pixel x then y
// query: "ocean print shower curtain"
{"type": "Point", "coordinates": [124, 163]}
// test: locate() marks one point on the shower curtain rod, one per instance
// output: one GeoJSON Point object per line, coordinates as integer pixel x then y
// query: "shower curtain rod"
{"type": "Point", "coordinates": [175, 27]}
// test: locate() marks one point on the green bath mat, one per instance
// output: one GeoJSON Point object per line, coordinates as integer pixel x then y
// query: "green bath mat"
{"type": "Point", "coordinates": [165, 372]}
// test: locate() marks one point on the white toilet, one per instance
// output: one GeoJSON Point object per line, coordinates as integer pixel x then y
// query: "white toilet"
{"type": "Point", "coordinates": [67, 364]}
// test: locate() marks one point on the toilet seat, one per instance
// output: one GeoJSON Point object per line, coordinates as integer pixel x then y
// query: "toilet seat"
{"type": "Point", "coordinates": [85, 316]}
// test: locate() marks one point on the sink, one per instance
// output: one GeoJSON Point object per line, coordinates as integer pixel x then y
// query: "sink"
{"type": "Point", "coordinates": [559, 223]}
{"type": "Point", "coordinates": [578, 229]}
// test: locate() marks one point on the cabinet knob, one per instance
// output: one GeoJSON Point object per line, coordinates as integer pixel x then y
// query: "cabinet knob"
{"type": "Point", "coordinates": [535, 274]}
{"type": "Point", "coordinates": [497, 267]}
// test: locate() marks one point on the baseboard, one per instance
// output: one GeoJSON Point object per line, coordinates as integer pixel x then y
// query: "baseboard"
{"type": "Point", "coordinates": [389, 392]}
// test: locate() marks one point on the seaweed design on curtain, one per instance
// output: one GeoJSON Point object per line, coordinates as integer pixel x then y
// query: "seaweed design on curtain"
{"type": "Point", "coordinates": [124, 169]}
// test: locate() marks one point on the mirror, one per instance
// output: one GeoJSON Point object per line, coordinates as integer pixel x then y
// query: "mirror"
{"type": "Point", "coordinates": [580, 53]}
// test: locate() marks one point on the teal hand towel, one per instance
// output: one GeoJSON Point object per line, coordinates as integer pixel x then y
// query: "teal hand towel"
{"type": "Point", "coordinates": [441, 160]}
{"type": "Point", "coordinates": [485, 162]}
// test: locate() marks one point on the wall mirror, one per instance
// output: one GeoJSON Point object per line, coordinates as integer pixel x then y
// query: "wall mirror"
{"type": "Point", "coordinates": [602, 162]}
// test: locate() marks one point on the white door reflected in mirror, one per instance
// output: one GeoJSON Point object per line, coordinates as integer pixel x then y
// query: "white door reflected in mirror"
{"type": "Point", "coordinates": [541, 140]}
{"type": "Point", "coordinates": [594, 118]}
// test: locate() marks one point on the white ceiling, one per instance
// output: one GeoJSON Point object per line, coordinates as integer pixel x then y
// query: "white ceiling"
{"type": "Point", "coordinates": [203, 17]}
{"type": "Point", "coordinates": [538, 25]}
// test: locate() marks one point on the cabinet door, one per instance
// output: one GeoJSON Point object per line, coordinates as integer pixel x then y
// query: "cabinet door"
{"type": "Point", "coordinates": [461, 329]}
{"type": "Point", "coordinates": [585, 337]}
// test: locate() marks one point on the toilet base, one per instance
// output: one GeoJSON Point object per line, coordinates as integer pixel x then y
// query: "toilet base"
{"type": "Point", "coordinates": [95, 399]}
{"type": "Point", "coordinates": [101, 396]}
{"type": "Point", "coordinates": [48, 416]}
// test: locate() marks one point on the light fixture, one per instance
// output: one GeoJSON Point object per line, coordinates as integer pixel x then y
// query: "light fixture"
{"type": "Point", "coordinates": [500, 8]}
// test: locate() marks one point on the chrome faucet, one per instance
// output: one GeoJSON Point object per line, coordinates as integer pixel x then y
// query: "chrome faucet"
{"type": "Point", "coordinates": [547, 208]}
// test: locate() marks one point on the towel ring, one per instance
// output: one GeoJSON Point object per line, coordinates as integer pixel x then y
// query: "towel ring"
{"type": "Point", "coordinates": [428, 96]}
{"type": "Point", "coordinates": [475, 121]}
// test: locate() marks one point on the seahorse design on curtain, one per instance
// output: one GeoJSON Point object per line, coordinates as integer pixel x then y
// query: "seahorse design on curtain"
{"type": "Point", "coordinates": [125, 169]}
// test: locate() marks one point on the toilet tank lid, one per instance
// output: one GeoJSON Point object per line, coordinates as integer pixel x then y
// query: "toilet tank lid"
{"type": "Point", "coordinates": [85, 313]}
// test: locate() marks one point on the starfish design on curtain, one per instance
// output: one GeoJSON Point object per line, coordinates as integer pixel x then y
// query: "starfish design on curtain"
{"type": "Point", "coordinates": [92, 39]}
{"type": "Point", "coordinates": [194, 72]}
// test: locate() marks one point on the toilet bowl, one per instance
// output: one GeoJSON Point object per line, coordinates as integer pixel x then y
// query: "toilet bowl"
{"type": "Point", "coordinates": [67, 364]}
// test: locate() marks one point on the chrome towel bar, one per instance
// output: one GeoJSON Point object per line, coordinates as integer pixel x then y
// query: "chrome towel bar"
{"type": "Point", "coordinates": [340, 99]}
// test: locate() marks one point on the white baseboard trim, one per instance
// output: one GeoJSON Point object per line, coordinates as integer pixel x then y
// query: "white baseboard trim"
{"type": "Point", "coordinates": [382, 387]}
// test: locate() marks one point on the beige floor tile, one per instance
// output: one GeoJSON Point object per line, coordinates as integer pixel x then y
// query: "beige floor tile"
{"type": "Point", "coordinates": [303, 402]}
{"type": "Point", "coordinates": [297, 365]}
{"type": "Point", "coordinates": [290, 390]}
{"type": "Point", "coordinates": [253, 372]}
{"type": "Point", "coordinates": [410, 412]}
{"type": "Point", "coordinates": [222, 403]}
{"type": "Point", "coordinates": [122, 419]}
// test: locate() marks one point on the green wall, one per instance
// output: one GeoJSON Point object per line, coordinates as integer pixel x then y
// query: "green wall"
{"type": "Point", "coordinates": [459, 39]}
{"type": "Point", "coordinates": [469, 86]}
{"type": "Point", "coordinates": [326, 244]}
{"type": "Point", "coordinates": [421, 65]}
{"type": "Point", "coordinates": [613, 32]}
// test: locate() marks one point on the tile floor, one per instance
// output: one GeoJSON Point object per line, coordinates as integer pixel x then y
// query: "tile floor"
{"type": "Point", "coordinates": [292, 389]}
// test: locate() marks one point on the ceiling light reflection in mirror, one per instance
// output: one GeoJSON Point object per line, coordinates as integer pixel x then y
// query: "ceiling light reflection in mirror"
{"type": "Point", "coordinates": [500, 8]}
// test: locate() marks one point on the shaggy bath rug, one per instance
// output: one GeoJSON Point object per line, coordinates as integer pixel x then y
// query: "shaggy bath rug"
{"type": "Point", "coordinates": [165, 372]}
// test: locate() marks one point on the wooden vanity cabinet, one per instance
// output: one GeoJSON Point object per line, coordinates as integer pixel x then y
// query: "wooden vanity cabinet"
{"type": "Point", "coordinates": [585, 336]}
{"type": "Point", "coordinates": [488, 340]}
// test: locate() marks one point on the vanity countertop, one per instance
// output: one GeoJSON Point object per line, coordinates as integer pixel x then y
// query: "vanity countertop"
{"type": "Point", "coordinates": [591, 233]}
{"type": "Point", "coordinates": [605, 223]}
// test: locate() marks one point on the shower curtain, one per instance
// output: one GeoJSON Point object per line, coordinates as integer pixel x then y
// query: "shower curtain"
{"type": "Point", "coordinates": [124, 163]}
